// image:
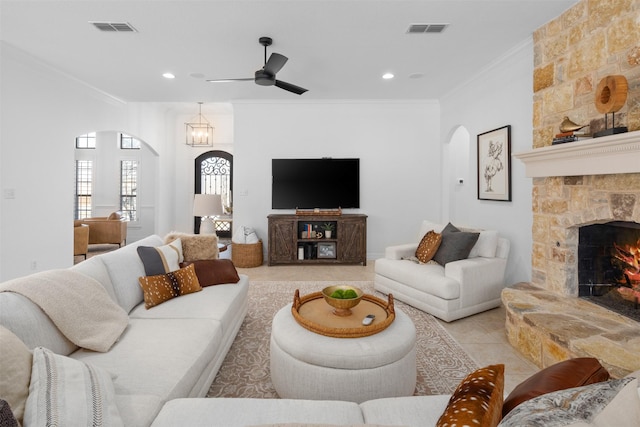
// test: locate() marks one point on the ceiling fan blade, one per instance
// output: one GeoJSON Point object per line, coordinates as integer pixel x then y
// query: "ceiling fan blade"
{"type": "Point", "coordinates": [291, 88]}
{"type": "Point", "coordinates": [248, 79]}
{"type": "Point", "coordinates": [275, 63]}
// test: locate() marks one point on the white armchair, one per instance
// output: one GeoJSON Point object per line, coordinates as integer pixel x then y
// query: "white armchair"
{"type": "Point", "coordinates": [457, 289]}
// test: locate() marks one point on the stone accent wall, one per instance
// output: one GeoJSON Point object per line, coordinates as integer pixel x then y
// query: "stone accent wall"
{"type": "Point", "coordinates": [572, 53]}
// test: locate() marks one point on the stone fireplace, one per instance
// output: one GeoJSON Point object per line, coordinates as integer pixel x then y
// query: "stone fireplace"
{"type": "Point", "coordinates": [546, 319]}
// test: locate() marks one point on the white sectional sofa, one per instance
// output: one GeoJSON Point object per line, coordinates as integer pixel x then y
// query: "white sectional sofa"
{"type": "Point", "coordinates": [170, 351]}
{"type": "Point", "coordinates": [457, 289]}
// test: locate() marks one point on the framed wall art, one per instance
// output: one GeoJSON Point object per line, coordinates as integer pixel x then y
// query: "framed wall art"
{"type": "Point", "coordinates": [494, 164]}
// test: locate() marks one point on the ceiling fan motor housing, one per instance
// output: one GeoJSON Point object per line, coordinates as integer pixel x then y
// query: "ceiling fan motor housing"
{"type": "Point", "coordinates": [264, 78]}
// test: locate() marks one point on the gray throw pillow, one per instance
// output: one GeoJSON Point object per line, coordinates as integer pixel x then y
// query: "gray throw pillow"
{"type": "Point", "coordinates": [455, 245]}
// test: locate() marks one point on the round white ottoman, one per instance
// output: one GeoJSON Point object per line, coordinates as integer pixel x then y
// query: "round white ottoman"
{"type": "Point", "coordinates": [306, 365]}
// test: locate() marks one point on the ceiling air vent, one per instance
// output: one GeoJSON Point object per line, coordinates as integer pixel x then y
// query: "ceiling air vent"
{"type": "Point", "coordinates": [118, 27]}
{"type": "Point", "coordinates": [426, 28]}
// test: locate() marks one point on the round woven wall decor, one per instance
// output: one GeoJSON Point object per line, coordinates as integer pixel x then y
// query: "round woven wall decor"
{"type": "Point", "coordinates": [611, 94]}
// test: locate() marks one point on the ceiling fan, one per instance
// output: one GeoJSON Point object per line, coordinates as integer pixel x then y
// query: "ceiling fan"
{"type": "Point", "coordinates": [266, 76]}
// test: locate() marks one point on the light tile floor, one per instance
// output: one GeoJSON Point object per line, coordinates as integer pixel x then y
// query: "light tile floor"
{"type": "Point", "coordinates": [482, 336]}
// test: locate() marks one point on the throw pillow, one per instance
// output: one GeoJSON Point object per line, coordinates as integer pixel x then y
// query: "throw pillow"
{"type": "Point", "coordinates": [68, 392]}
{"type": "Point", "coordinates": [609, 403]}
{"type": "Point", "coordinates": [477, 401]}
{"type": "Point", "coordinates": [7, 419]}
{"type": "Point", "coordinates": [214, 271]}
{"type": "Point", "coordinates": [195, 246]}
{"type": "Point", "coordinates": [15, 371]}
{"type": "Point", "coordinates": [570, 373]}
{"type": "Point", "coordinates": [455, 245]}
{"type": "Point", "coordinates": [161, 259]}
{"type": "Point", "coordinates": [163, 287]}
{"type": "Point", "coordinates": [486, 246]}
{"type": "Point", "coordinates": [428, 246]}
{"type": "Point", "coordinates": [114, 216]}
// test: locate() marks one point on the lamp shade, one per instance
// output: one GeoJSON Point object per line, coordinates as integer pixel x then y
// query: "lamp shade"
{"type": "Point", "coordinates": [207, 205]}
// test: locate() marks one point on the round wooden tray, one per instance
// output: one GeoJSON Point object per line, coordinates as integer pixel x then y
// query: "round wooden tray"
{"type": "Point", "coordinates": [313, 313]}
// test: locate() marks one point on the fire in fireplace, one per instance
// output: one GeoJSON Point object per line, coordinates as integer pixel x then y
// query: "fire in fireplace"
{"type": "Point", "coordinates": [609, 266]}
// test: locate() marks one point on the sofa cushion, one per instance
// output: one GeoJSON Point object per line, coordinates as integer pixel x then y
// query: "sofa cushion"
{"type": "Point", "coordinates": [477, 400]}
{"type": "Point", "coordinates": [455, 245]}
{"type": "Point", "coordinates": [161, 259]}
{"type": "Point", "coordinates": [562, 375]}
{"type": "Point", "coordinates": [95, 268]}
{"type": "Point", "coordinates": [70, 393]}
{"type": "Point", "coordinates": [214, 271]}
{"type": "Point", "coordinates": [196, 246]}
{"type": "Point", "coordinates": [427, 278]}
{"type": "Point", "coordinates": [125, 267]}
{"type": "Point", "coordinates": [234, 412]}
{"type": "Point", "coordinates": [428, 246]}
{"type": "Point", "coordinates": [486, 245]}
{"type": "Point", "coordinates": [31, 324]}
{"type": "Point", "coordinates": [609, 403]}
{"type": "Point", "coordinates": [77, 304]}
{"type": "Point", "coordinates": [410, 410]}
{"type": "Point", "coordinates": [163, 287]}
{"type": "Point", "coordinates": [161, 357]}
{"type": "Point", "coordinates": [221, 303]}
{"type": "Point", "coordinates": [15, 372]}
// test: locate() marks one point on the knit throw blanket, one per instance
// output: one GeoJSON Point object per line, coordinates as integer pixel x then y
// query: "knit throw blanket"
{"type": "Point", "coordinates": [77, 304]}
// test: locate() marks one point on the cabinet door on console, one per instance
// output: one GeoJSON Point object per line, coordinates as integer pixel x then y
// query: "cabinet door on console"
{"type": "Point", "coordinates": [282, 240]}
{"type": "Point", "coordinates": [352, 235]}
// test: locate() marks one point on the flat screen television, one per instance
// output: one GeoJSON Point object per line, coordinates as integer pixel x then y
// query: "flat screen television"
{"type": "Point", "coordinates": [324, 183]}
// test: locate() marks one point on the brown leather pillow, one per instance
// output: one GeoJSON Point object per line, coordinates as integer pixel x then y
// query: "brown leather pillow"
{"type": "Point", "coordinates": [428, 246]}
{"type": "Point", "coordinates": [570, 373]}
{"type": "Point", "coordinates": [477, 400]}
{"type": "Point", "coordinates": [214, 271]}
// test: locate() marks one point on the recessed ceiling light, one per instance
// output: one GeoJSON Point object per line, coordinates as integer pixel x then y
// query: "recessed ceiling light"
{"type": "Point", "coordinates": [168, 76]}
{"type": "Point", "coordinates": [387, 76]}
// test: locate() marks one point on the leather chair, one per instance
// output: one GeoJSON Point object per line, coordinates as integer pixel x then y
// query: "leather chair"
{"type": "Point", "coordinates": [80, 239]}
{"type": "Point", "coordinates": [111, 229]}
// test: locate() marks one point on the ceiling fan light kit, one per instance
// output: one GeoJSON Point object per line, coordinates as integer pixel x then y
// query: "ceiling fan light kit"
{"type": "Point", "coordinates": [266, 76]}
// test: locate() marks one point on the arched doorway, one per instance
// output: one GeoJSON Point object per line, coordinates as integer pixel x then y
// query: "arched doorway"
{"type": "Point", "coordinates": [214, 175]}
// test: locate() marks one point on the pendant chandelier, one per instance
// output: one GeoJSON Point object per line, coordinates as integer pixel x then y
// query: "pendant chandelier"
{"type": "Point", "coordinates": [199, 131]}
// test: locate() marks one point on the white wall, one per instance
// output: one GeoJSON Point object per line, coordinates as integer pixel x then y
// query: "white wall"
{"type": "Point", "coordinates": [42, 112]}
{"type": "Point", "coordinates": [397, 143]}
{"type": "Point", "coordinates": [499, 95]}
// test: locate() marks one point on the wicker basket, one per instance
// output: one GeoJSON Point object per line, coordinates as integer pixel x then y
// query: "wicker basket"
{"type": "Point", "coordinates": [247, 254]}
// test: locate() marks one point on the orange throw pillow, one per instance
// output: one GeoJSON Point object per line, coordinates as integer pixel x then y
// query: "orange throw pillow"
{"type": "Point", "coordinates": [428, 246]}
{"type": "Point", "coordinates": [163, 287]}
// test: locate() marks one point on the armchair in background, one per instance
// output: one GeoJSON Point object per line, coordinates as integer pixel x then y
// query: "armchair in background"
{"type": "Point", "coordinates": [80, 239]}
{"type": "Point", "coordinates": [111, 229]}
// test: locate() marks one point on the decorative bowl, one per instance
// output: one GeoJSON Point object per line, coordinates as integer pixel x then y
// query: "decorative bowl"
{"type": "Point", "coordinates": [342, 306]}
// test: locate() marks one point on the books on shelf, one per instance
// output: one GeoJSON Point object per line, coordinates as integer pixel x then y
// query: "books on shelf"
{"type": "Point", "coordinates": [565, 137]}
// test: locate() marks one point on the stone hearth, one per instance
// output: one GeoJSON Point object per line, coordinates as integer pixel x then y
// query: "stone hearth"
{"type": "Point", "coordinates": [547, 328]}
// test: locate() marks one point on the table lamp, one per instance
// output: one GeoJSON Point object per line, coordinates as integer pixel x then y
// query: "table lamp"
{"type": "Point", "coordinates": [208, 207]}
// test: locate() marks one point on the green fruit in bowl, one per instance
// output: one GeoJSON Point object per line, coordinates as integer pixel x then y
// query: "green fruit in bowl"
{"type": "Point", "coordinates": [344, 294]}
{"type": "Point", "coordinates": [338, 293]}
{"type": "Point", "coordinates": [349, 293]}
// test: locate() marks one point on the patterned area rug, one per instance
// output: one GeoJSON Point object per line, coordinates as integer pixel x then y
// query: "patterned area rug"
{"type": "Point", "coordinates": [441, 362]}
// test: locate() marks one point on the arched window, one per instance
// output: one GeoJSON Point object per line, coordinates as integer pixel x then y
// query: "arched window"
{"type": "Point", "coordinates": [214, 175]}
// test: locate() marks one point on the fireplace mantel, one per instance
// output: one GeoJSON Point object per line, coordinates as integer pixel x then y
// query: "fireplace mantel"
{"type": "Point", "coordinates": [612, 154]}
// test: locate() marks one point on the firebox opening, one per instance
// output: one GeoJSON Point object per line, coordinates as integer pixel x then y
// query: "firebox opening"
{"type": "Point", "coordinates": [609, 266]}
